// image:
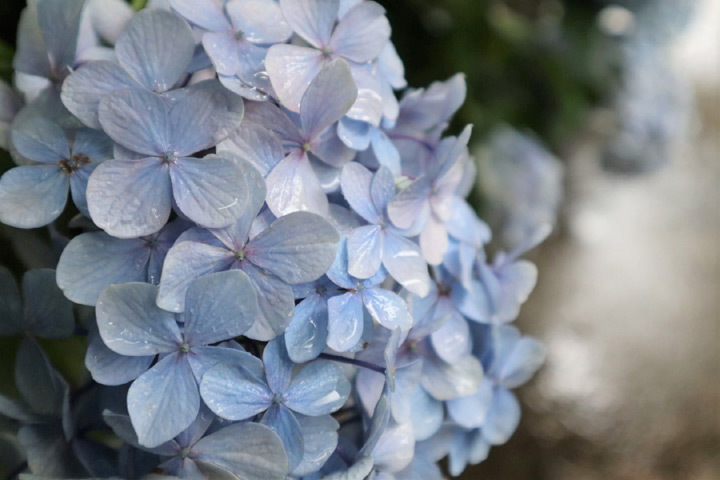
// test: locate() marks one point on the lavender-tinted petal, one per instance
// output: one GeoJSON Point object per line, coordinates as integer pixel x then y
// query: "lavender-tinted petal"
{"type": "Point", "coordinates": [48, 314]}
{"type": "Point", "coordinates": [284, 423]}
{"type": "Point", "coordinates": [405, 263]}
{"type": "Point", "coordinates": [516, 359]}
{"type": "Point", "coordinates": [248, 450]}
{"type": "Point", "coordinates": [365, 251]}
{"type": "Point", "coordinates": [163, 401]}
{"type": "Point", "coordinates": [319, 388]}
{"type": "Point", "coordinates": [223, 49]}
{"type": "Point", "coordinates": [110, 368]}
{"type": "Point", "coordinates": [310, 19]}
{"type": "Point", "coordinates": [407, 379]}
{"type": "Point", "coordinates": [204, 358]}
{"type": "Point", "coordinates": [328, 97]}
{"type": "Point", "coordinates": [426, 414]}
{"type": "Point", "coordinates": [306, 335]}
{"type": "Point", "coordinates": [136, 119]}
{"type": "Point", "coordinates": [452, 340]}
{"type": "Point", "coordinates": [382, 188]}
{"type": "Point", "coordinates": [278, 366]}
{"type": "Point", "coordinates": [293, 187]}
{"type": "Point", "coordinates": [291, 69]}
{"type": "Point", "coordinates": [387, 308]}
{"type": "Point", "coordinates": [395, 448]}
{"type": "Point", "coordinates": [234, 393]}
{"type": "Point", "coordinates": [320, 438]}
{"type": "Point", "coordinates": [185, 262]}
{"type": "Point", "coordinates": [130, 198]}
{"type": "Point", "coordinates": [385, 152]}
{"type": "Point", "coordinates": [434, 241]}
{"type": "Point", "coordinates": [356, 181]}
{"type": "Point", "coordinates": [219, 306]}
{"type": "Point", "coordinates": [368, 106]}
{"type": "Point", "coordinates": [471, 411]}
{"type": "Point", "coordinates": [255, 144]}
{"type": "Point", "coordinates": [355, 134]}
{"type": "Point", "coordinates": [60, 23]}
{"type": "Point", "coordinates": [345, 321]}
{"type": "Point", "coordinates": [131, 324]}
{"type": "Point", "coordinates": [207, 14]}
{"type": "Point", "coordinates": [40, 140]}
{"type": "Point", "coordinates": [261, 21]}
{"type": "Point", "coordinates": [369, 386]}
{"type": "Point", "coordinates": [502, 418]}
{"type": "Point", "coordinates": [412, 204]}
{"type": "Point", "coordinates": [32, 195]}
{"type": "Point", "coordinates": [32, 55]}
{"type": "Point", "coordinates": [444, 381]}
{"type": "Point", "coordinates": [276, 302]}
{"type": "Point", "coordinates": [156, 48]}
{"type": "Point", "coordinates": [362, 33]}
{"type": "Point", "coordinates": [338, 271]}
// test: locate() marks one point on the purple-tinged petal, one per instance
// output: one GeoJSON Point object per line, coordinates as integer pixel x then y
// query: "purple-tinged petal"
{"type": "Point", "coordinates": [434, 241]}
{"type": "Point", "coordinates": [471, 411]}
{"type": "Point", "coordinates": [223, 49]}
{"type": "Point", "coordinates": [444, 381]}
{"type": "Point", "coordinates": [362, 33]}
{"type": "Point", "coordinates": [310, 19]}
{"type": "Point", "coordinates": [327, 99]}
{"type": "Point", "coordinates": [83, 90]}
{"type": "Point", "coordinates": [130, 198]}
{"type": "Point", "coordinates": [355, 133]}
{"type": "Point", "coordinates": [502, 418]}
{"type": "Point", "coordinates": [136, 119]}
{"type": "Point", "coordinates": [40, 140]}
{"type": "Point", "coordinates": [356, 181]}
{"type": "Point", "coordinates": [278, 366]}
{"type": "Point", "coordinates": [219, 306]}
{"type": "Point", "coordinates": [203, 359]}
{"type": "Point", "coordinates": [256, 144]}
{"type": "Point", "coordinates": [185, 262]}
{"type": "Point", "coordinates": [369, 104]}
{"type": "Point", "coordinates": [319, 388]}
{"type": "Point", "coordinates": [405, 263]}
{"type": "Point", "coordinates": [293, 187]}
{"type": "Point", "coordinates": [426, 414]}
{"type": "Point", "coordinates": [156, 48]}
{"type": "Point", "coordinates": [345, 321]}
{"type": "Point", "coordinates": [391, 67]}
{"type": "Point", "coordinates": [60, 23]}
{"type": "Point", "coordinates": [131, 324]}
{"type": "Point", "coordinates": [411, 205]}
{"type": "Point", "coordinates": [110, 368]}
{"type": "Point", "coordinates": [320, 438]}
{"type": "Point", "coordinates": [306, 335]}
{"type": "Point", "coordinates": [382, 188]}
{"type": "Point", "coordinates": [32, 195]}
{"type": "Point", "coordinates": [516, 358]}
{"type": "Point", "coordinates": [163, 401]}
{"type": "Point", "coordinates": [284, 423]}
{"type": "Point", "coordinates": [395, 448]}
{"type": "Point", "coordinates": [338, 272]}
{"type": "Point", "coordinates": [452, 340]}
{"type": "Point", "coordinates": [291, 69]}
{"type": "Point", "coordinates": [365, 251]}
{"type": "Point", "coordinates": [234, 393]}
{"type": "Point", "coordinates": [276, 302]}
{"type": "Point", "coordinates": [207, 14]}
{"type": "Point", "coordinates": [261, 21]}
{"type": "Point", "coordinates": [387, 308]}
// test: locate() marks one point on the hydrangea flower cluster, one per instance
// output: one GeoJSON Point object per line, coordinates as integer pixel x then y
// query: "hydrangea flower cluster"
{"type": "Point", "coordinates": [279, 273]}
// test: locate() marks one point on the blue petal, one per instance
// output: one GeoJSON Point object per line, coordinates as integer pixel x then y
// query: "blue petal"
{"type": "Point", "coordinates": [40, 140]}
{"type": "Point", "coordinates": [130, 198]}
{"type": "Point", "coordinates": [319, 388]}
{"type": "Point", "coordinates": [328, 97]}
{"type": "Point", "coordinates": [249, 450]}
{"type": "Point", "coordinates": [452, 340]}
{"type": "Point", "coordinates": [110, 368]}
{"type": "Point", "coordinates": [387, 308]}
{"type": "Point", "coordinates": [320, 438]}
{"type": "Point", "coordinates": [185, 262]}
{"type": "Point", "coordinates": [234, 393]}
{"type": "Point", "coordinates": [78, 187]}
{"type": "Point", "coordinates": [516, 359]}
{"type": "Point", "coordinates": [224, 51]}
{"type": "Point", "coordinates": [293, 186]}
{"type": "Point", "coordinates": [276, 302]}
{"type": "Point", "coordinates": [48, 314]}
{"type": "Point", "coordinates": [412, 204]}
{"type": "Point", "coordinates": [306, 335]}
{"type": "Point", "coordinates": [278, 366]}
{"type": "Point", "coordinates": [10, 304]}
{"type": "Point", "coordinates": [369, 104]}
{"type": "Point", "coordinates": [426, 414]}
{"type": "Point", "coordinates": [312, 20]}
{"type": "Point", "coordinates": [298, 248]}
{"type": "Point", "coordinates": [163, 401]}
{"type": "Point", "coordinates": [31, 57]}
{"type": "Point", "coordinates": [365, 251]}
{"type": "Point", "coordinates": [404, 262]}
{"type": "Point", "coordinates": [33, 195]}
{"type": "Point", "coordinates": [60, 23]}
{"type": "Point", "coordinates": [203, 359]}
{"type": "Point", "coordinates": [156, 48]}
{"type": "Point", "coordinates": [284, 423]}
{"type": "Point", "coordinates": [160, 244]}
{"type": "Point", "coordinates": [345, 321]}
{"type": "Point", "coordinates": [444, 381]}
{"type": "Point", "coordinates": [219, 306]}
{"type": "Point", "coordinates": [260, 20]}
{"type": "Point", "coordinates": [47, 451]}
{"type": "Point", "coordinates": [131, 324]}
{"type": "Point", "coordinates": [395, 448]}
{"type": "Point", "coordinates": [291, 69]}
{"type": "Point", "coordinates": [382, 189]}
{"type": "Point", "coordinates": [385, 151]}
{"type": "Point", "coordinates": [206, 14]}
{"type": "Point", "coordinates": [471, 411]}
{"type": "Point", "coordinates": [93, 261]}
{"type": "Point", "coordinates": [41, 386]}
{"type": "Point", "coordinates": [362, 33]}
{"type": "Point", "coordinates": [502, 418]}
{"type": "Point", "coordinates": [356, 181]}
{"type": "Point", "coordinates": [255, 144]}
{"type": "Point", "coordinates": [355, 133]}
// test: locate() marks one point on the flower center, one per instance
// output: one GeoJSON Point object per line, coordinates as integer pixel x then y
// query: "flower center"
{"type": "Point", "coordinates": [239, 35]}
{"type": "Point", "coordinates": [77, 161]}
{"type": "Point", "coordinates": [184, 348]}
{"type": "Point", "coordinates": [184, 452]}
{"type": "Point", "coordinates": [326, 52]}
{"type": "Point", "coordinates": [240, 254]}
{"type": "Point", "coordinates": [168, 157]}
{"type": "Point", "coordinates": [306, 147]}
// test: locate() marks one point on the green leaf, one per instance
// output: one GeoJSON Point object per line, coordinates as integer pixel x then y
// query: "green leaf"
{"type": "Point", "coordinates": [6, 58]}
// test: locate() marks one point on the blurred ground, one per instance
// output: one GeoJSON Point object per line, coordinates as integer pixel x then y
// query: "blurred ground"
{"type": "Point", "coordinates": [628, 304]}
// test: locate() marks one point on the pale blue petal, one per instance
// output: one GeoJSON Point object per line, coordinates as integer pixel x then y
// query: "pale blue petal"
{"type": "Point", "coordinates": [378, 424]}
{"type": "Point", "coordinates": [298, 248]}
{"type": "Point", "coordinates": [156, 48]}
{"type": "Point", "coordinates": [448, 157]}
{"type": "Point", "coordinates": [385, 151]}
{"type": "Point", "coordinates": [365, 251]}
{"type": "Point", "coordinates": [382, 189]}
{"type": "Point", "coordinates": [249, 450]}
{"type": "Point", "coordinates": [10, 304]}
{"type": "Point", "coordinates": [270, 116]}
{"type": "Point", "coordinates": [411, 204]}
{"type": "Point", "coordinates": [369, 386]}
{"type": "Point", "coordinates": [362, 33]}
{"type": "Point", "coordinates": [136, 119]}
{"type": "Point", "coordinates": [354, 133]}
{"type": "Point", "coordinates": [502, 418]}
{"type": "Point", "coordinates": [83, 90]}
{"type": "Point", "coordinates": [426, 414]}
{"type": "Point", "coordinates": [255, 144]}
{"type": "Point", "coordinates": [284, 423]}
{"type": "Point", "coordinates": [395, 448]}
{"type": "Point", "coordinates": [48, 314]}
{"type": "Point", "coordinates": [517, 282]}
{"type": "Point", "coordinates": [278, 366]}
{"type": "Point", "coordinates": [369, 104]}
{"type": "Point", "coordinates": [110, 368]}
{"type": "Point", "coordinates": [471, 411]}
{"type": "Point", "coordinates": [356, 182]}
{"type": "Point", "coordinates": [434, 240]}
{"type": "Point", "coordinates": [219, 306]}
{"type": "Point", "coordinates": [130, 198]}
{"type": "Point", "coordinates": [345, 321]}
{"type": "Point", "coordinates": [291, 69]}
{"type": "Point", "coordinates": [160, 244]}
{"type": "Point", "coordinates": [387, 308]}
{"type": "Point", "coordinates": [93, 261]}
{"type": "Point", "coordinates": [234, 393]}
{"type": "Point", "coordinates": [60, 23]}
{"type": "Point", "coordinates": [445, 381]}
{"type": "Point", "coordinates": [310, 19]}
{"type": "Point", "coordinates": [261, 21]}
{"type": "Point", "coordinates": [32, 56]}
{"type": "Point", "coordinates": [459, 453]}
{"type": "Point", "coordinates": [328, 97]}
{"type": "Point", "coordinates": [40, 140]}
{"type": "Point", "coordinates": [276, 302]}
{"type": "Point", "coordinates": [185, 262]}
{"type": "Point", "coordinates": [420, 467]}
{"type": "Point", "coordinates": [405, 263]}
{"type": "Point", "coordinates": [163, 401]}
{"type": "Point", "coordinates": [203, 359]}
{"type": "Point", "coordinates": [338, 271]}
{"type": "Point", "coordinates": [78, 187]}
{"type": "Point", "coordinates": [452, 340]}
{"type": "Point", "coordinates": [131, 324]}
{"type": "Point", "coordinates": [32, 195]}
{"type": "Point", "coordinates": [407, 379]}
{"type": "Point", "coordinates": [516, 359]}
{"type": "Point", "coordinates": [318, 388]}
{"type": "Point", "coordinates": [320, 438]}
{"type": "Point", "coordinates": [306, 335]}
{"type": "Point", "coordinates": [207, 14]}
{"type": "Point", "coordinates": [293, 187]}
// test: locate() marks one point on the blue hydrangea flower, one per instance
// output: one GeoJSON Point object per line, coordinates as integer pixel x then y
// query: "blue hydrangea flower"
{"type": "Point", "coordinates": [236, 38]}
{"type": "Point", "coordinates": [164, 401]}
{"type": "Point", "coordinates": [359, 37]}
{"type": "Point", "coordinates": [318, 388]}
{"type": "Point", "coordinates": [34, 195]}
{"type": "Point", "coordinates": [379, 242]}
{"type": "Point", "coordinates": [132, 194]}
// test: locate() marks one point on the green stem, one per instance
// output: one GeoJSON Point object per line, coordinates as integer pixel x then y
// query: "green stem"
{"type": "Point", "coordinates": [138, 4]}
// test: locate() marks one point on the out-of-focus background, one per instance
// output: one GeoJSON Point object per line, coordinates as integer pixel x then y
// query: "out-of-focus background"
{"type": "Point", "coordinates": [626, 97]}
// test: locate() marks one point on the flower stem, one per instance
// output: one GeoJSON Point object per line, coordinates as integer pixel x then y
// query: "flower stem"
{"type": "Point", "coordinates": [353, 361]}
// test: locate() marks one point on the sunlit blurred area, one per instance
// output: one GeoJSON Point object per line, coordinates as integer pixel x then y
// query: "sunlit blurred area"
{"type": "Point", "coordinates": [604, 118]}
